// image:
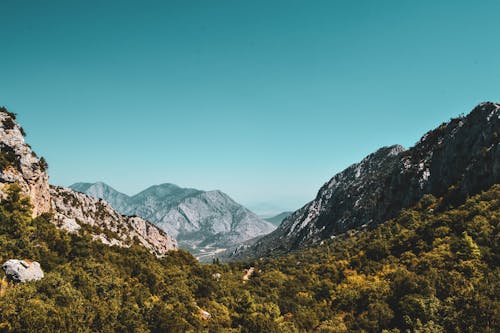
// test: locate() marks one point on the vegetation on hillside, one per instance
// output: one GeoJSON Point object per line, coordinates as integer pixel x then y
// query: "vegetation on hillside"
{"type": "Point", "coordinates": [431, 269]}
{"type": "Point", "coordinates": [8, 157]}
{"type": "Point", "coordinates": [9, 122]}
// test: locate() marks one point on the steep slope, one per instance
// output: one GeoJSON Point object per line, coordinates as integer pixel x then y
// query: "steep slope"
{"type": "Point", "coordinates": [216, 216]}
{"type": "Point", "coordinates": [74, 210]}
{"type": "Point", "coordinates": [203, 222]}
{"type": "Point", "coordinates": [277, 219]}
{"type": "Point", "coordinates": [463, 153]}
{"type": "Point", "coordinates": [18, 163]}
{"type": "Point", "coordinates": [71, 210]}
{"type": "Point", "coordinates": [430, 269]}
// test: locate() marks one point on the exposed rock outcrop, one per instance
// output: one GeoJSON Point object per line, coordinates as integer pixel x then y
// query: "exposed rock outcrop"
{"type": "Point", "coordinates": [74, 210]}
{"type": "Point", "coordinates": [20, 164]}
{"type": "Point", "coordinates": [22, 270]}
{"type": "Point", "coordinates": [461, 156]}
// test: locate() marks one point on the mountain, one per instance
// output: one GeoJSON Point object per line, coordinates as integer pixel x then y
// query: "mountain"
{"type": "Point", "coordinates": [277, 219]}
{"type": "Point", "coordinates": [432, 268]}
{"type": "Point", "coordinates": [75, 211]}
{"type": "Point", "coordinates": [203, 222]}
{"type": "Point", "coordinates": [458, 159]}
{"type": "Point", "coordinates": [71, 211]}
{"type": "Point", "coordinates": [100, 190]}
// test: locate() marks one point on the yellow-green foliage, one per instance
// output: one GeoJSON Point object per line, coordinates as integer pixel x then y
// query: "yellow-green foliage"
{"type": "Point", "coordinates": [429, 270]}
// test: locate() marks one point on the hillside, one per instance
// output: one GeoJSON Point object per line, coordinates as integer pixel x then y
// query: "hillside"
{"type": "Point", "coordinates": [204, 222]}
{"type": "Point", "coordinates": [434, 268]}
{"type": "Point", "coordinates": [462, 154]}
{"type": "Point", "coordinates": [70, 210]}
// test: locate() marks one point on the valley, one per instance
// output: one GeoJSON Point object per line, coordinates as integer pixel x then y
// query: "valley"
{"type": "Point", "coordinates": [205, 223]}
{"type": "Point", "coordinates": [249, 166]}
{"type": "Point", "coordinates": [399, 242]}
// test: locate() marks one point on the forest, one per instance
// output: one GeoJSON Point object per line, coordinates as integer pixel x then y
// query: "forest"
{"type": "Point", "coordinates": [433, 268]}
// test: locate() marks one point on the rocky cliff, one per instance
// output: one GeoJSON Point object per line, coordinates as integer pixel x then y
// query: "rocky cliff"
{"type": "Point", "coordinates": [460, 158]}
{"type": "Point", "coordinates": [71, 210]}
{"type": "Point", "coordinates": [18, 163]}
{"type": "Point", "coordinates": [74, 210]}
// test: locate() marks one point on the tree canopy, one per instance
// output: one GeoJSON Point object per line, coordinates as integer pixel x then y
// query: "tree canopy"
{"type": "Point", "coordinates": [432, 269]}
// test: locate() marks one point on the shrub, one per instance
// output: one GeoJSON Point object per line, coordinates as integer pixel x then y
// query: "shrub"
{"type": "Point", "coordinates": [4, 110]}
{"type": "Point", "coordinates": [43, 164]}
{"type": "Point", "coordinates": [8, 157]}
{"type": "Point", "coordinates": [8, 124]}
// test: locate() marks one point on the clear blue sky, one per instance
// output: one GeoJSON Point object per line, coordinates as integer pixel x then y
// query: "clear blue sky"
{"type": "Point", "coordinates": [265, 100]}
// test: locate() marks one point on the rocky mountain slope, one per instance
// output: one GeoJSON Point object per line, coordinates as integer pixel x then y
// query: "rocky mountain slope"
{"type": "Point", "coordinates": [72, 211]}
{"type": "Point", "coordinates": [203, 222]}
{"type": "Point", "coordinates": [459, 158]}
{"type": "Point", "coordinates": [18, 163]}
{"type": "Point", "coordinates": [117, 200]}
{"type": "Point", "coordinates": [277, 219]}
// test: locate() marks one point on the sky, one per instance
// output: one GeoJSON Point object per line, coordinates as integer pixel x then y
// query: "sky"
{"type": "Point", "coordinates": [264, 100]}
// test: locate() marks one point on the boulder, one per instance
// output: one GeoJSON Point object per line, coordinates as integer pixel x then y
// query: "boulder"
{"type": "Point", "coordinates": [22, 270]}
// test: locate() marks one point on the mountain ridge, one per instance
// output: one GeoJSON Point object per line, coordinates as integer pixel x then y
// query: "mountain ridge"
{"type": "Point", "coordinates": [205, 222]}
{"type": "Point", "coordinates": [392, 178]}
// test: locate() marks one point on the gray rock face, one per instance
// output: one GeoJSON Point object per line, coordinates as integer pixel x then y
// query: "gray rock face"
{"type": "Point", "coordinates": [27, 170]}
{"type": "Point", "coordinates": [202, 222]}
{"type": "Point", "coordinates": [22, 270]}
{"type": "Point", "coordinates": [464, 153]}
{"type": "Point", "coordinates": [74, 210]}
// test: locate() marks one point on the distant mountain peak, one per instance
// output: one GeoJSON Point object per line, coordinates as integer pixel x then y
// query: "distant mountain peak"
{"type": "Point", "coordinates": [86, 186]}
{"type": "Point", "coordinates": [203, 221]}
{"type": "Point", "coordinates": [164, 186]}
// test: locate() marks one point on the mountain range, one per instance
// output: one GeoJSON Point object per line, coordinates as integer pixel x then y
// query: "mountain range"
{"type": "Point", "coordinates": [204, 222]}
{"type": "Point", "coordinates": [399, 242]}
{"type": "Point", "coordinates": [456, 160]}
